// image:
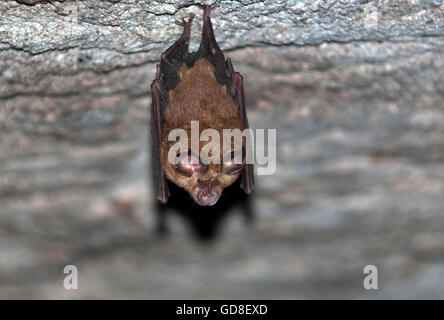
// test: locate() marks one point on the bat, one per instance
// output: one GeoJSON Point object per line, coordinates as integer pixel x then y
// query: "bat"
{"type": "Point", "coordinates": [198, 86]}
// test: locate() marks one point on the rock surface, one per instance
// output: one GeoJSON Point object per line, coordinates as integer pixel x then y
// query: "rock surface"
{"type": "Point", "coordinates": [355, 90]}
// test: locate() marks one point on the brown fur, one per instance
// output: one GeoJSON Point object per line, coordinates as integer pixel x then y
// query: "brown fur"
{"type": "Point", "coordinates": [199, 97]}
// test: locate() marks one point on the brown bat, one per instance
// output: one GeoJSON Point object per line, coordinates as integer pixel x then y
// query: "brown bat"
{"type": "Point", "coordinates": [198, 86]}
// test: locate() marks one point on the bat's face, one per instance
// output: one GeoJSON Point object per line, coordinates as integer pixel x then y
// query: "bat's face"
{"type": "Point", "coordinates": [204, 180]}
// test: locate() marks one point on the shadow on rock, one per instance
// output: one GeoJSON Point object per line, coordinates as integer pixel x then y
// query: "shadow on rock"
{"type": "Point", "coordinates": [205, 221]}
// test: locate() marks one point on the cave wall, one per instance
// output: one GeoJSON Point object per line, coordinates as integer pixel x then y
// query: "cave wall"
{"type": "Point", "coordinates": [355, 90]}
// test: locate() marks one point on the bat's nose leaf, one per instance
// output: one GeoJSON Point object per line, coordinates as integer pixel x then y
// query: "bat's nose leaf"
{"type": "Point", "coordinates": [208, 196]}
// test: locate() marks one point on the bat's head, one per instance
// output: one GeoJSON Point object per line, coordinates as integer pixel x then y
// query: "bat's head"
{"type": "Point", "coordinates": [204, 180]}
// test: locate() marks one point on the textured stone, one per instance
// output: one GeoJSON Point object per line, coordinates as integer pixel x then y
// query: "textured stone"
{"type": "Point", "coordinates": [355, 90]}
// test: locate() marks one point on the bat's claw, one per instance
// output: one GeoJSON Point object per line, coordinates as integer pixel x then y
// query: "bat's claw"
{"type": "Point", "coordinates": [207, 9]}
{"type": "Point", "coordinates": [185, 23]}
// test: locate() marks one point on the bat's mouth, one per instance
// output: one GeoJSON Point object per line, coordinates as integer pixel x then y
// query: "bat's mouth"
{"type": "Point", "coordinates": [207, 196]}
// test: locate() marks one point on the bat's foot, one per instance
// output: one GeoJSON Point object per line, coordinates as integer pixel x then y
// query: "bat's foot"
{"type": "Point", "coordinates": [186, 24]}
{"type": "Point", "coordinates": [208, 44]}
{"type": "Point", "coordinates": [207, 9]}
{"type": "Point", "coordinates": [179, 49]}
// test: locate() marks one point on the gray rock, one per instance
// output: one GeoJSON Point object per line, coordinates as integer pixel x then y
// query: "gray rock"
{"type": "Point", "coordinates": [355, 90]}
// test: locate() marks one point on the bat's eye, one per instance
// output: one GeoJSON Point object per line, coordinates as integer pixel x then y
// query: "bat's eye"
{"type": "Point", "coordinates": [190, 164]}
{"type": "Point", "coordinates": [234, 163]}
